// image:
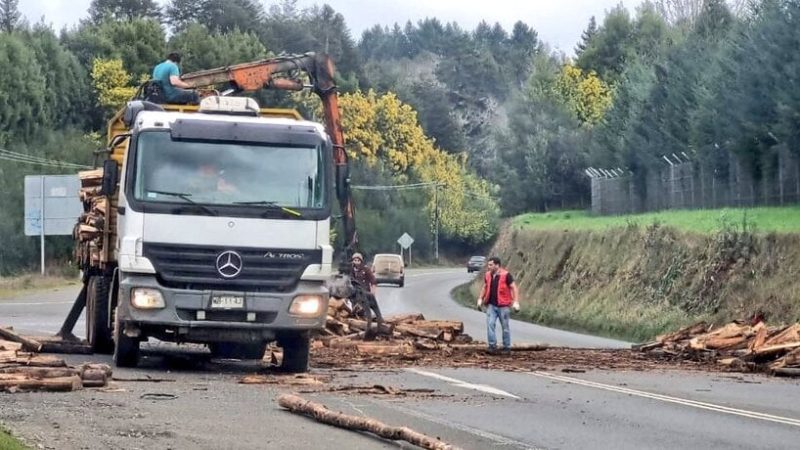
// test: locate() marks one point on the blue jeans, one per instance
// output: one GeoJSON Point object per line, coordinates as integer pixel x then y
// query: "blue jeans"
{"type": "Point", "coordinates": [504, 314]}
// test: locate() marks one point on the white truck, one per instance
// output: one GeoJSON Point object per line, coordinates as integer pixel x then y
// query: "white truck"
{"type": "Point", "coordinates": [211, 223]}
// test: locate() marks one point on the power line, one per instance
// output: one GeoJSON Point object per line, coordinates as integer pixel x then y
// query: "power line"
{"type": "Point", "coordinates": [395, 187]}
{"type": "Point", "coordinates": [8, 155]}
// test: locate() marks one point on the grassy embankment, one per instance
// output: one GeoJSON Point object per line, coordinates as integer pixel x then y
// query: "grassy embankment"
{"type": "Point", "coordinates": [28, 283]}
{"type": "Point", "coordinates": [634, 277]}
{"type": "Point", "coordinates": [8, 442]}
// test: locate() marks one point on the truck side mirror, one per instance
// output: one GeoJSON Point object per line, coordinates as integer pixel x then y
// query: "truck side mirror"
{"type": "Point", "coordinates": [110, 175]}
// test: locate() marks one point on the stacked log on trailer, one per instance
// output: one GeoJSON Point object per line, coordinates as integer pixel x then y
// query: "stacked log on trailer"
{"type": "Point", "coordinates": [739, 345]}
{"type": "Point", "coordinates": [93, 224]}
{"type": "Point", "coordinates": [22, 369]}
{"type": "Point", "coordinates": [402, 334]}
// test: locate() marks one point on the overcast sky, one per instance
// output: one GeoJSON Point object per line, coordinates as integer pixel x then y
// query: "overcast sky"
{"type": "Point", "coordinates": [559, 22]}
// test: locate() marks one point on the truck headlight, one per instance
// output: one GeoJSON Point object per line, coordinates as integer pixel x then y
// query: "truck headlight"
{"type": "Point", "coordinates": [306, 305]}
{"type": "Point", "coordinates": [147, 298]}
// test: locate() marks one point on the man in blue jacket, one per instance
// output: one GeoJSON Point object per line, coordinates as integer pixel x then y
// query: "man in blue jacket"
{"type": "Point", "coordinates": [168, 75]}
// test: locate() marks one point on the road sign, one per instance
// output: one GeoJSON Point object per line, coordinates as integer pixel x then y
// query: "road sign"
{"type": "Point", "coordinates": [62, 205]}
{"type": "Point", "coordinates": [52, 206]}
{"type": "Point", "coordinates": [405, 241]}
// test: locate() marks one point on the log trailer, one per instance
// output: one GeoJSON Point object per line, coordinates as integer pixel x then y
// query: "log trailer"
{"type": "Point", "coordinates": [210, 223]}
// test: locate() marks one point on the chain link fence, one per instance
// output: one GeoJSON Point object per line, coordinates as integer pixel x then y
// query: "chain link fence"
{"type": "Point", "coordinates": [686, 183]}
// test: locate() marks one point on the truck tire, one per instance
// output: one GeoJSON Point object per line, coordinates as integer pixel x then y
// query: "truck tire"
{"type": "Point", "coordinates": [126, 349]}
{"type": "Point", "coordinates": [237, 350]}
{"type": "Point", "coordinates": [296, 352]}
{"type": "Point", "coordinates": [98, 332]}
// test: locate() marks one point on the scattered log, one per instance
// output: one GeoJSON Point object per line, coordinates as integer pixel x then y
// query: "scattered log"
{"type": "Point", "coordinates": [361, 325]}
{"type": "Point", "coordinates": [320, 413]}
{"type": "Point", "coordinates": [380, 348]}
{"type": "Point", "coordinates": [62, 384]}
{"type": "Point", "coordinates": [404, 318]}
{"type": "Point", "coordinates": [786, 371]}
{"type": "Point", "coordinates": [407, 329]}
{"type": "Point", "coordinates": [514, 347]}
{"type": "Point", "coordinates": [27, 343]}
{"type": "Point", "coordinates": [10, 345]}
{"type": "Point", "coordinates": [454, 325]}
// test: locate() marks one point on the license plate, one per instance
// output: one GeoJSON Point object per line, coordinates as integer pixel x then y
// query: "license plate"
{"type": "Point", "coordinates": [227, 302]}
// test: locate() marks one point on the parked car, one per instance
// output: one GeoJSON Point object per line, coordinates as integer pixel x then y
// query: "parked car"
{"type": "Point", "coordinates": [389, 268]}
{"type": "Point", "coordinates": [476, 263]}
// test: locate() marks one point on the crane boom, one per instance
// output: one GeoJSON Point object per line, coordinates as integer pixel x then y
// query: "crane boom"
{"type": "Point", "coordinates": [282, 73]}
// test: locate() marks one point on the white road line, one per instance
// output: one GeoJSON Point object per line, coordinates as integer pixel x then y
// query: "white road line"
{"type": "Point", "coordinates": [500, 440]}
{"type": "Point", "coordinates": [464, 384]}
{"type": "Point", "coordinates": [440, 272]}
{"type": "Point", "coordinates": [34, 303]}
{"type": "Point", "coordinates": [665, 398]}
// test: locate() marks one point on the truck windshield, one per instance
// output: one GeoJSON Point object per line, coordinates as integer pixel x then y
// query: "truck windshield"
{"type": "Point", "coordinates": [221, 173]}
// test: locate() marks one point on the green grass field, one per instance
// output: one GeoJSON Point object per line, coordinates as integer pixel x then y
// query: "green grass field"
{"type": "Point", "coordinates": [8, 442]}
{"type": "Point", "coordinates": [763, 220]}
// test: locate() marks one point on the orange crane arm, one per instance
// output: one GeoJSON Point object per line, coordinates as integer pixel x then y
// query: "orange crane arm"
{"type": "Point", "coordinates": [282, 73]}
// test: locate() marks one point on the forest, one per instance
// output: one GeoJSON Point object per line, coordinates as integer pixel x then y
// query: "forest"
{"type": "Point", "coordinates": [492, 122]}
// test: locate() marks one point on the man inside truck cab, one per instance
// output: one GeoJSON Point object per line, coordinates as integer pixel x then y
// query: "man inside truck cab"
{"type": "Point", "coordinates": [211, 180]}
{"type": "Point", "coordinates": [168, 75]}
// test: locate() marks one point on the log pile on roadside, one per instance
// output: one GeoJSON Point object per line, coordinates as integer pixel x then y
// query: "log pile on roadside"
{"type": "Point", "coordinates": [88, 232]}
{"type": "Point", "coordinates": [738, 345]}
{"type": "Point", "coordinates": [398, 335]}
{"type": "Point", "coordinates": [22, 369]}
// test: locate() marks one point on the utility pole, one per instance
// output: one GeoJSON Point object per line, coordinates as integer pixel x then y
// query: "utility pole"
{"type": "Point", "coordinates": [436, 220]}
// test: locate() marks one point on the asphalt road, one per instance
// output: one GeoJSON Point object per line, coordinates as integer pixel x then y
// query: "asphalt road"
{"type": "Point", "coordinates": [428, 292]}
{"type": "Point", "coordinates": [205, 407]}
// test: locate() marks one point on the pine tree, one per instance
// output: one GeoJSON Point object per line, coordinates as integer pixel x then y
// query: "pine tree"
{"type": "Point", "coordinates": [9, 15]}
{"type": "Point", "coordinates": [586, 37]}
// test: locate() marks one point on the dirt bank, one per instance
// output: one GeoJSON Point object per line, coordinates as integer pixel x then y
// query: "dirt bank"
{"type": "Point", "coordinates": [635, 283]}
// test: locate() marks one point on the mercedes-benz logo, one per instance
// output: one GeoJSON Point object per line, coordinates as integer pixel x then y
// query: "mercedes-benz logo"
{"type": "Point", "coordinates": [229, 264]}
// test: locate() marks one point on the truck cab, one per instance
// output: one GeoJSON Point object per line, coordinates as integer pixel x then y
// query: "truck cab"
{"type": "Point", "coordinates": [222, 229]}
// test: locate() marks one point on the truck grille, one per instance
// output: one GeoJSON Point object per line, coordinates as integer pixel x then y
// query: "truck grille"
{"type": "Point", "coordinates": [261, 269]}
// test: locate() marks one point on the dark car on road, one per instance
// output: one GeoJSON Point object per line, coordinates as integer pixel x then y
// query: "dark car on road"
{"type": "Point", "coordinates": [476, 263]}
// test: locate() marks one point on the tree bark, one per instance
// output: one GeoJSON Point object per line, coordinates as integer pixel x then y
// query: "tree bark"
{"type": "Point", "coordinates": [27, 344]}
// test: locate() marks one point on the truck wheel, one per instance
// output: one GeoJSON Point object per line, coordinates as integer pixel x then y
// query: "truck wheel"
{"type": "Point", "coordinates": [402, 282]}
{"type": "Point", "coordinates": [126, 349]}
{"type": "Point", "coordinates": [296, 352]}
{"type": "Point", "coordinates": [238, 351]}
{"type": "Point", "coordinates": [98, 332]}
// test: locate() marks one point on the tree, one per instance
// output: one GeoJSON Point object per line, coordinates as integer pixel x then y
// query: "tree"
{"type": "Point", "coordinates": [587, 37]}
{"type": "Point", "coordinates": [610, 49]}
{"type": "Point", "coordinates": [585, 95]}
{"type": "Point", "coordinates": [112, 83]}
{"type": "Point", "coordinates": [382, 131]}
{"type": "Point", "coordinates": [138, 43]}
{"type": "Point", "coordinates": [181, 13]}
{"type": "Point", "coordinates": [202, 49]}
{"type": "Point", "coordinates": [9, 15]}
{"type": "Point", "coordinates": [100, 10]}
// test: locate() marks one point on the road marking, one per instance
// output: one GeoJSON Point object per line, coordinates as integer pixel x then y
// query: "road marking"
{"type": "Point", "coordinates": [464, 384]}
{"type": "Point", "coordinates": [34, 303]}
{"type": "Point", "coordinates": [499, 439]}
{"type": "Point", "coordinates": [440, 272]}
{"type": "Point", "coordinates": [665, 398]}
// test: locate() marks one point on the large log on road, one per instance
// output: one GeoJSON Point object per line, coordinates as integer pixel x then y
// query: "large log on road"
{"type": "Point", "coordinates": [322, 414]}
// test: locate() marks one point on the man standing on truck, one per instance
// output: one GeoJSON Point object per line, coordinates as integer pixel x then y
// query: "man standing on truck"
{"type": "Point", "coordinates": [168, 75]}
{"type": "Point", "coordinates": [499, 295]}
{"type": "Point", "coordinates": [366, 279]}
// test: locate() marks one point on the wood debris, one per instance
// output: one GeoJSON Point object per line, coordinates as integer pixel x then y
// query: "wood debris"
{"type": "Point", "coordinates": [737, 345]}
{"type": "Point", "coordinates": [401, 335]}
{"type": "Point", "coordinates": [322, 414]}
{"type": "Point", "coordinates": [95, 227]}
{"type": "Point", "coordinates": [24, 371]}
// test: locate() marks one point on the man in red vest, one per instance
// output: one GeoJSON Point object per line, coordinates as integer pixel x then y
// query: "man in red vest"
{"type": "Point", "coordinates": [499, 295]}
